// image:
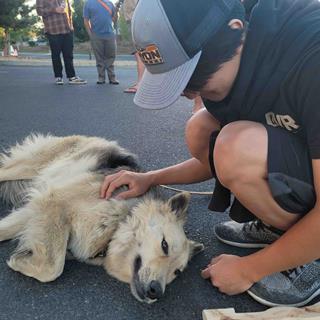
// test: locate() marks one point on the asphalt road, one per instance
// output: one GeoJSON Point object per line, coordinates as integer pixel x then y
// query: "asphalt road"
{"type": "Point", "coordinates": [30, 102]}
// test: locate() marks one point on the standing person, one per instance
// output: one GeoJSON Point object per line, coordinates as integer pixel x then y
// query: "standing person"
{"type": "Point", "coordinates": [259, 135]}
{"type": "Point", "coordinates": [57, 19]}
{"type": "Point", "coordinates": [99, 16]}
{"type": "Point", "coordinates": [128, 10]}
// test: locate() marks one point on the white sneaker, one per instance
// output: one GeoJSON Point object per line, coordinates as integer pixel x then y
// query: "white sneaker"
{"type": "Point", "coordinates": [77, 80]}
{"type": "Point", "coordinates": [59, 81]}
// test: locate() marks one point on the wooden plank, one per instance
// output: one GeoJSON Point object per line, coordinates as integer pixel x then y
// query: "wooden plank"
{"type": "Point", "coordinates": [279, 313]}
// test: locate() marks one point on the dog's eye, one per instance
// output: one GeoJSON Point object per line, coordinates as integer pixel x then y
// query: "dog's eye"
{"type": "Point", "coordinates": [164, 246]}
{"type": "Point", "coordinates": [177, 272]}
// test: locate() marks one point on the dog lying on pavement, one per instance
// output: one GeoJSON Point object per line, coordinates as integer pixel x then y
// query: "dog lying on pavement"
{"type": "Point", "coordinates": [54, 182]}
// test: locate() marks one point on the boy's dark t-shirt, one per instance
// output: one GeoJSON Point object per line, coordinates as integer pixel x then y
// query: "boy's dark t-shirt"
{"type": "Point", "coordinates": [278, 83]}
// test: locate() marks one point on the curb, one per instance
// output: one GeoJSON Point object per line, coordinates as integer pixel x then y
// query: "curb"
{"type": "Point", "coordinates": [9, 61]}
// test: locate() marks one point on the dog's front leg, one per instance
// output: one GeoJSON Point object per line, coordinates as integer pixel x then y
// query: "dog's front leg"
{"type": "Point", "coordinates": [43, 243]}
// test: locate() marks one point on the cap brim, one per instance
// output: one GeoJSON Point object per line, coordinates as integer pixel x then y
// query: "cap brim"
{"type": "Point", "coordinates": [158, 91]}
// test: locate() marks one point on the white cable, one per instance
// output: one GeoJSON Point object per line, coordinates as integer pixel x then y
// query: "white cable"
{"type": "Point", "coordinates": [192, 192]}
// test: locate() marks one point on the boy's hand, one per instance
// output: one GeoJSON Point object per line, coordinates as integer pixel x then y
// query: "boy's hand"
{"type": "Point", "coordinates": [227, 273]}
{"type": "Point", "coordinates": [138, 183]}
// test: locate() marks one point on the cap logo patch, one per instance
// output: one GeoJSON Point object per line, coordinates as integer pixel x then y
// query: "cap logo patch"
{"type": "Point", "coordinates": [150, 55]}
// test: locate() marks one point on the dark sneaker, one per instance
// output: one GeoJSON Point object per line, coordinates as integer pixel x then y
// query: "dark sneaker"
{"type": "Point", "coordinates": [77, 80]}
{"type": "Point", "coordinates": [253, 234]}
{"type": "Point", "coordinates": [101, 81]}
{"type": "Point", "coordinates": [59, 81]}
{"type": "Point", "coordinates": [114, 82]}
{"type": "Point", "coordinates": [293, 288]}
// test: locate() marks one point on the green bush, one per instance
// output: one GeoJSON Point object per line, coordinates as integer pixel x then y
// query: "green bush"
{"type": "Point", "coordinates": [123, 27]}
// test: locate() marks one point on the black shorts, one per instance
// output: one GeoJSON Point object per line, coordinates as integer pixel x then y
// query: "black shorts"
{"type": "Point", "coordinates": [290, 176]}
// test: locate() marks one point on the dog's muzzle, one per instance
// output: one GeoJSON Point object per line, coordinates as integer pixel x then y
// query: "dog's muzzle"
{"type": "Point", "coordinates": [154, 290]}
{"type": "Point", "coordinates": [145, 292]}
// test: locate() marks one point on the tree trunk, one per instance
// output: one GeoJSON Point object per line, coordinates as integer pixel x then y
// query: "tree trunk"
{"type": "Point", "coordinates": [6, 50]}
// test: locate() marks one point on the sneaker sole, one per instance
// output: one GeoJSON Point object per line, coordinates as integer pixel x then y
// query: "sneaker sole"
{"type": "Point", "coordinates": [272, 304]}
{"type": "Point", "coordinates": [77, 83]}
{"type": "Point", "coordinates": [241, 244]}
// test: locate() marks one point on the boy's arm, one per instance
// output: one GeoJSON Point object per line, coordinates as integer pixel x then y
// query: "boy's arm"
{"type": "Point", "coordinates": [189, 171]}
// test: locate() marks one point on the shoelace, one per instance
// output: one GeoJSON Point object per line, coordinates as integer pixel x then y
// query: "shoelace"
{"type": "Point", "coordinates": [293, 273]}
{"type": "Point", "coordinates": [259, 225]}
{"type": "Point", "coordinates": [254, 225]}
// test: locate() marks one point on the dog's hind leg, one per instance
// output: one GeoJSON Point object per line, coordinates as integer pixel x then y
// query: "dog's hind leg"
{"type": "Point", "coordinates": [43, 244]}
{"type": "Point", "coordinates": [17, 169]}
{"type": "Point", "coordinates": [13, 224]}
{"type": "Point", "coordinates": [14, 192]}
{"type": "Point", "coordinates": [12, 169]}
{"type": "Point", "coordinates": [24, 161]}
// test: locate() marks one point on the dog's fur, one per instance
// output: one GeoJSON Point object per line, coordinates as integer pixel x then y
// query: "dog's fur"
{"type": "Point", "coordinates": [54, 182]}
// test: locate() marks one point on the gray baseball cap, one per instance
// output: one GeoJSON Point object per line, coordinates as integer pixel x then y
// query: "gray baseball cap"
{"type": "Point", "coordinates": [169, 36]}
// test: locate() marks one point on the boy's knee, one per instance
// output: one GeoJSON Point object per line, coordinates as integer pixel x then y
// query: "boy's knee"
{"type": "Point", "coordinates": [197, 133]}
{"type": "Point", "coordinates": [234, 152]}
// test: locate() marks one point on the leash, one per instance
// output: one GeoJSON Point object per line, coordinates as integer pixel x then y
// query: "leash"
{"type": "Point", "coordinates": [191, 192]}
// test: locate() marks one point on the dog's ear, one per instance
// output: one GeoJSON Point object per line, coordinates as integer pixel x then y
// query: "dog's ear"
{"type": "Point", "coordinates": [195, 248]}
{"type": "Point", "coordinates": [179, 204]}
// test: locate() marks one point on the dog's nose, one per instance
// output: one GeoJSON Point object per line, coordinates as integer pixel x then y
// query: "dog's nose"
{"type": "Point", "coordinates": [154, 290]}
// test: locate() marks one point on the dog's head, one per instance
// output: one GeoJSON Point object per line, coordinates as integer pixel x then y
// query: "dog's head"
{"type": "Point", "coordinates": [150, 249]}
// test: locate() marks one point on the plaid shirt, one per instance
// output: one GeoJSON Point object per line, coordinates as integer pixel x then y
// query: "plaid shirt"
{"type": "Point", "coordinates": [55, 23]}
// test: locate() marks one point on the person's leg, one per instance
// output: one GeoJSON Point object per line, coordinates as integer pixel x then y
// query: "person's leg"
{"type": "Point", "coordinates": [198, 131]}
{"type": "Point", "coordinates": [140, 68]}
{"type": "Point", "coordinates": [109, 58]}
{"type": "Point", "coordinates": [55, 42]}
{"type": "Point", "coordinates": [240, 158]}
{"type": "Point", "coordinates": [67, 51]}
{"type": "Point", "coordinates": [97, 45]}
{"type": "Point", "coordinates": [247, 157]}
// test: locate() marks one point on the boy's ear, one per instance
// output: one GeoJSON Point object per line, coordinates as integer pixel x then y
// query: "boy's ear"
{"type": "Point", "coordinates": [179, 204]}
